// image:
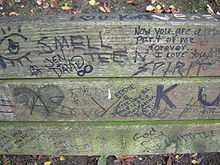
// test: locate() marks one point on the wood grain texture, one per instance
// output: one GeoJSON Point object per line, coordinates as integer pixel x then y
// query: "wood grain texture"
{"type": "Point", "coordinates": [109, 84]}
{"type": "Point", "coordinates": [110, 46]}
{"type": "Point", "coordinates": [101, 139]}
{"type": "Point", "coordinates": [110, 99]}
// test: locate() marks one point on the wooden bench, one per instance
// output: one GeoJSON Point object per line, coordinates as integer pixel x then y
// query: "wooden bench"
{"type": "Point", "coordinates": [110, 84]}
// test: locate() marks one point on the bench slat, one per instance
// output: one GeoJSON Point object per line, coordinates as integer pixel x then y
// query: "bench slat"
{"type": "Point", "coordinates": [104, 139]}
{"type": "Point", "coordinates": [110, 99]}
{"type": "Point", "coordinates": [80, 47]}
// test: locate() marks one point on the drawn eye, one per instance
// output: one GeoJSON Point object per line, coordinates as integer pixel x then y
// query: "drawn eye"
{"type": "Point", "coordinates": [11, 48]}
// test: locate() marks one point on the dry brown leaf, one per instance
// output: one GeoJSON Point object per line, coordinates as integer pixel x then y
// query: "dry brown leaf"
{"type": "Point", "coordinates": [39, 2]}
{"type": "Point", "coordinates": [53, 4]}
{"type": "Point", "coordinates": [177, 157]}
{"type": "Point", "coordinates": [150, 8]}
{"type": "Point", "coordinates": [66, 7]}
{"type": "Point", "coordinates": [32, 10]}
{"type": "Point", "coordinates": [209, 9]}
{"type": "Point", "coordinates": [105, 8]}
{"type": "Point", "coordinates": [133, 2]}
{"type": "Point", "coordinates": [13, 14]}
{"type": "Point", "coordinates": [102, 9]}
{"type": "Point", "coordinates": [154, 2]}
{"type": "Point", "coordinates": [125, 156]}
{"type": "Point", "coordinates": [158, 7]}
{"type": "Point", "coordinates": [158, 11]}
{"type": "Point", "coordinates": [194, 155]}
{"type": "Point", "coordinates": [46, 5]}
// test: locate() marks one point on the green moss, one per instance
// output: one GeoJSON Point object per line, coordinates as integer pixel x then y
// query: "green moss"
{"type": "Point", "coordinates": [107, 123]}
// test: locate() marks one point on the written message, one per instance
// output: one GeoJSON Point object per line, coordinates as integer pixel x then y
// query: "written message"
{"type": "Point", "coordinates": [110, 49]}
{"type": "Point", "coordinates": [82, 140]}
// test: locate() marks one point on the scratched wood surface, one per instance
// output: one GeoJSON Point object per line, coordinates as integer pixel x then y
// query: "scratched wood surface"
{"type": "Point", "coordinates": [73, 139]}
{"type": "Point", "coordinates": [110, 46]}
{"type": "Point", "coordinates": [110, 99]}
{"type": "Point", "coordinates": [151, 84]}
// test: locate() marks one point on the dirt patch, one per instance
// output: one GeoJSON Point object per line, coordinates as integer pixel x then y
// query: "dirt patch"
{"type": "Point", "coordinates": [43, 159]}
{"type": "Point", "coordinates": [31, 7]}
{"type": "Point", "coordinates": [168, 159]}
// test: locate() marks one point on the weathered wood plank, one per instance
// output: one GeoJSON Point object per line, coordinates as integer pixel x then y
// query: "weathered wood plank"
{"type": "Point", "coordinates": [103, 138]}
{"type": "Point", "coordinates": [110, 46]}
{"type": "Point", "coordinates": [143, 114]}
{"type": "Point", "coordinates": [110, 99]}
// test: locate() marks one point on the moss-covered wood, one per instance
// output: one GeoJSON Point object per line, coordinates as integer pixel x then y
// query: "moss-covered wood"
{"type": "Point", "coordinates": [109, 138]}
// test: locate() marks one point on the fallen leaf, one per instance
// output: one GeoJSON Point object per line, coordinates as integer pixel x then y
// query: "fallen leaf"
{"type": "Point", "coordinates": [154, 2]}
{"type": "Point", "coordinates": [13, 14]}
{"type": "Point", "coordinates": [47, 163]}
{"type": "Point", "coordinates": [158, 7]}
{"type": "Point", "coordinates": [132, 2]}
{"type": "Point", "coordinates": [171, 7]}
{"type": "Point", "coordinates": [46, 5]}
{"type": "Point", "coordinates": [62, 158]}
{"type": "Point", "coordinates": [32, 11]}
{"type": "Point", "coordinates": [177, 157]}
{"type": "Point", "coordinates": [102, 9]}
{"type": "Point", "coordinates": [150, 8]}
{"type": "Point", "coordinates": [66, 7]}
{"type": "Point", "coordinates": [53, 4]}
{"type": "Point", "coordinates": [39, 2]}
{"type": "Point", "coordinates": [158, 11]}
{"type": "Point", "coordinates": [93, 3]}
{"type": "Point", "coordinates": [209, 9]}
{"type": "Point", "coordinates": [194, 155]}
{"type": "Point", "coordinates": [105, 8]}
{"type": "Point", "coordinates": [125, 156]}
{"type": "Point", "coordinates": [194, 161]}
